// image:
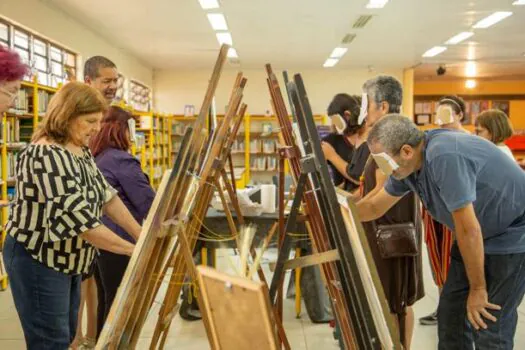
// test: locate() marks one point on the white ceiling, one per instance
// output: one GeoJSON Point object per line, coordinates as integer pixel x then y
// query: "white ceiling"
{"type": "Point", "coordinates": [171, 34]}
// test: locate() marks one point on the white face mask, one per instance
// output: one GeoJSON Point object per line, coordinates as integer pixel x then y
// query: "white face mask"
{"type": "Point", "coordinates": [444, 115]}
{"type": "Point", "coordinates": [339, 123]}
{"type": "Point", "coordinates": [364, 109]}
{"type": "Point", "coordinates": [131, 127]}
{"type": "Point", "coordinates": [386, 163]}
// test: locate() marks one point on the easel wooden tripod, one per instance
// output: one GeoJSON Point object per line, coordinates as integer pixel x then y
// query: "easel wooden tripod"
{"type": "Point", "coordinates": [346, 286]}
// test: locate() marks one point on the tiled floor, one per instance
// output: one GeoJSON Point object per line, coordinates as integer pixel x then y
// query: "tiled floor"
{"type": "Point", "coordinates": [301, 332]}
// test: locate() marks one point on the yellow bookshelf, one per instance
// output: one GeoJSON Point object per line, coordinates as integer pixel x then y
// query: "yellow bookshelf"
{"type": "Point", "coordinates": [155, 158]}
{"type": "Point", "coordinates": [261, 131]}
{"type": "Point", "coordinates": [18, 125]}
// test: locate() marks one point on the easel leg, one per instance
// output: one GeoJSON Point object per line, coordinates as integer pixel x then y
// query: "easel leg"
{"type": "Point", "coordinates": [298, 286]}
{"type": "Point", "coordinates": [233, 198]}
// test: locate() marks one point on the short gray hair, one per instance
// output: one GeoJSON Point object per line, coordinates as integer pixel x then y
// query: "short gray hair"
{"type": "Point", "coordinates": [385, 88]}
{"type": "Point", "coordinates": [393, 131]}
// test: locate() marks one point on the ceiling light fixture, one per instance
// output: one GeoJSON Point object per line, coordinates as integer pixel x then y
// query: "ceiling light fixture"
{"type": "Point", "coordinates": [470, 84]}
{"type": "Point", "coordinates": [471, 69]}
{"type": "Point", "coordinates": [436, 50]}
{"type": "Point", "coordinates": [217, 21]}
{"type": "Point", "coordinates": [330, 62]}
{"type": "Point", "coordinates": [492, 19]}
{"type": "Point", "coordinates": [209, 4]}
{"type": "Point", "coordinates": [225, 38]}
{"type": "Point", "coordinates": [232, 53]}
{"type": "Point", "coordinates": [376, 4]}
{"type": "Point", "coordinates": [518, 2]}
{"type": "Point", "coordinates": [338, 52]}
{"type": "Point", "coordinates": [459, 38]}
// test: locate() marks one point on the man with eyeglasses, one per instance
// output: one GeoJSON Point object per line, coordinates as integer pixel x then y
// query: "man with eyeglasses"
{"type": "Point", "coordinates": [458, 178]}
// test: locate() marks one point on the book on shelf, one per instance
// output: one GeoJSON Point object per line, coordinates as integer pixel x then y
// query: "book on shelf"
{"type": "Point", "coordinates": [43, 101]}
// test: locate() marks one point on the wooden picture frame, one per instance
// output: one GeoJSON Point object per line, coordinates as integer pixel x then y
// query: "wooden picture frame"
{"type": "Point", "coordinates": [238, 310]}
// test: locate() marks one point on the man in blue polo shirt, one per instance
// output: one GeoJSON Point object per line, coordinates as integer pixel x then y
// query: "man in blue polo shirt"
{"type": "Point", "coordinates": [468, 184]}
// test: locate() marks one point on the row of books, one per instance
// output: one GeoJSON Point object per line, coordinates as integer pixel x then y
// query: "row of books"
{"type": "Point", "coordinates": [179, 128]}
{"type": "Point", "coordinates": [263, 146]}
{"type": "Point", "coordinates": [259, 163]}
{"type": "Point", "coordinates": [24, 102]}
{"type": "Point", "coordinates": [12, 159]}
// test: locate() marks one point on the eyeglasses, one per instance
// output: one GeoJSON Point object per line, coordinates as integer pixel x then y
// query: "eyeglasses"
{"type": "Point", "coordinates": [12, 96]}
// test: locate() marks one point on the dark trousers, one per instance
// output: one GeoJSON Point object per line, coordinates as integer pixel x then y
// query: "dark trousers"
{"type": "Point", "coordinates": [110, 271]}
{"type": "Point", "coordinates": [505, 277]}
{"type": "Point", "coordinates": [46, 301]}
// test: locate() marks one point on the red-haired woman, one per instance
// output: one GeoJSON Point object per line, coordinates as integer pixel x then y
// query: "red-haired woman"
{"type": "Point", "coordinates": [110, 147]}
{"type": "Point", "coordinates": [12, 70]}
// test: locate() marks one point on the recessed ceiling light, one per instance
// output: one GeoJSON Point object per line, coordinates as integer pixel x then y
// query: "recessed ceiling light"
{"type": "Point", "coordinates": [209, 4]}
{"type": "Point", "coordinates": [330, 62]}
{"type": "Point", "coordinates": [338, 52]}
{"type": "Point", "coordinates": [436, 50]}
{"type": "Point", "coordinates": [459, 38]}
{"type": "Point", "coordinates": [225, 38]}
{"type": "Point", "coordinates": [217, 21]}
{"type": "Point", "coordinates": [376, 4]}
{"type": "Point", "coordinates": [518, 2]}
{"type": "Point", "coordinates": [232, 53]}
{"type": "Point", "coordinates": [492, 19]}
{"type": "Point", "coordinates": [470, 84]}
{"type": "Point", "coordinates": [471, 69]}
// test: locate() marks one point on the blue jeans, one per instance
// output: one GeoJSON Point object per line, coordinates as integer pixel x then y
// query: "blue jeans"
{"type": "Point", "coordinates": [47, 301]}
{"type": "Point", "coordinates": [505, 277]}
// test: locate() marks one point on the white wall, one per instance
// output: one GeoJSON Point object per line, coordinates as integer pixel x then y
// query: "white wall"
{"type": "Point", "coordinates": [58, 26]}
{"type": "Point", "coordinates": [174, 89]}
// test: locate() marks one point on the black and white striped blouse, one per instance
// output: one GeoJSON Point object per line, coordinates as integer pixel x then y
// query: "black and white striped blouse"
{"type": "Point", "coordinates": [59, 195]}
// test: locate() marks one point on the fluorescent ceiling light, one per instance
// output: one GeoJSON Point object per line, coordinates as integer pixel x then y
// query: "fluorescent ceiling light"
{"type": "Point", "coordinates": [470, 84]}
{"type": "Point", "coordinates": [330, 62]}
{"type": "Point", "coordinates": [492, 19]}
{"type": "Point", "coordinates": [518, 2]}
{"type": "Point", "coordinates": [471, 69]}
{"type": "Point", "coordinates": [436, 50]}
{"type": "Point", "coordinates": [225, 38]}
{"type": "Point", "coordinates": [338, 52]}
{"type": "Point", "coordinates": [209, 4]}
{"type": "Point", "coordinates": [217, 21]}
{"type": "Point", "coordinates": [459, 38]}
{"type": "Point", "coordinates": [376, 4]}
{"type": "Point", "coordinates": [232, 53]}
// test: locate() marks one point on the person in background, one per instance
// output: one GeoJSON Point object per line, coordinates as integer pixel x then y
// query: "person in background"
{"type": "Point", "coordinates": [451, 110]}
{"type": "Point", "coordinates": [466, 183]}
{"type": "Point", "coordinates": [347, 119]}
{"type": "Point", "coordinates": [401, 277]}
{"type": "Point", "coordinates": [122, 171]}
{"type": "Point", "coordinates": [12, 70]}
{"type": "Point", "coordinates": [341, 110]}
{"type": "Point", "coordinates": [494, 125]}
{"type": "Point", "coordinates": [54, 225]}
{"type": "Point", "coordinates": [101, 74]}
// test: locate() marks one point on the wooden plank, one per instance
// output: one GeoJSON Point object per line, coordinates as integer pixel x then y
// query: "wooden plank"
{"type": "Point", "coordinates": [239, 310]}
{"type": "Point", "coordinates": [311, 260]}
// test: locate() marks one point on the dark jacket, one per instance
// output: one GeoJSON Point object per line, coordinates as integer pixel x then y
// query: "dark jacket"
{"type": "Point", "coordinates": [123, 172]}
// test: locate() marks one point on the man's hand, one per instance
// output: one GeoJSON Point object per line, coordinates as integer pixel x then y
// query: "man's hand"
{"type": "Point", "coordinates": [477, 305]}
{"type": "Point", "coordinates": [328, 150]}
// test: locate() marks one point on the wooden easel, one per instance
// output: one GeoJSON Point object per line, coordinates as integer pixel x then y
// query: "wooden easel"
{"type": "Point", "coordinates": [365, 322]}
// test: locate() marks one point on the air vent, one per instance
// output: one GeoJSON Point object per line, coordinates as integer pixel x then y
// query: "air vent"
{"type": "Point", "coordinates": [348, 38]}
{"type": "Point", "coordinates": [362, 21]}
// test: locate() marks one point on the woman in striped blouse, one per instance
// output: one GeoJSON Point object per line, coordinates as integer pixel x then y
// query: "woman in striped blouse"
{"type": "Point", "coordinates": [55, 226]}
